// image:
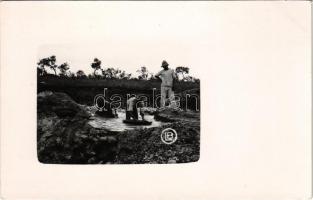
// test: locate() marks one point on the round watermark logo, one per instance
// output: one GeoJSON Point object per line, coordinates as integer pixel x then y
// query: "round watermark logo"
{"type": "Point", "coordinates": [169, 136]}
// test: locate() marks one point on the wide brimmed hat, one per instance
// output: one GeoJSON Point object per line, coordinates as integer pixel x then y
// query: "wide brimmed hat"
{"type": "Point", "coordinates": [164, 64]}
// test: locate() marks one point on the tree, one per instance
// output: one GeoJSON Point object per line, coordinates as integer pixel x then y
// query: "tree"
{"type": "Point", "coordinates": [80, 74]}
{"type": "Point", "coordinates": [104, 73]}
{"type": "Point", "coordinates": [41, 71]}
{"type": "Point", "coordinates": [128, 76]}
{"type": "Point", "coordinates": [111, 73]}
{"type": "Point", "coordinates": [143, 73]}
{"type": "Point", "coordinates": [152, 77]}
{"type": "Point", "coordinates": [182, 71]}
{"type": "Point", "coordinates": [122, 75]}
{"type": "Point", "coordinates": [71, 74]}
{"type": "Point", "coordinates": [96, 65]}
{"type": "Point", "coordinates": [48, 62]}
{"type": "Point", "coordinates": [63, 69]}
{"type": "Point", "coordinates": [53, 66]}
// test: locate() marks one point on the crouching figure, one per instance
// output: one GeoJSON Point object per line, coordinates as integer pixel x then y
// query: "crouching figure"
{"type": "Point", "coordinates": [132, 112]}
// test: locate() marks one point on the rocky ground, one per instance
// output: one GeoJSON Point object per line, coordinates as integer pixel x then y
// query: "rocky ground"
{"type": "Point", "coordinates": [64, 136]}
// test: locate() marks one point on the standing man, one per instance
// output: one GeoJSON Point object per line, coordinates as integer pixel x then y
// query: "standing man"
{"type": "Point", "coordinates": [167, 76]}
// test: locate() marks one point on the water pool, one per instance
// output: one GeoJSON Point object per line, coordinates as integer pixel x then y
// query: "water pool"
{"type": "Point", "coordinates": [116, 124]}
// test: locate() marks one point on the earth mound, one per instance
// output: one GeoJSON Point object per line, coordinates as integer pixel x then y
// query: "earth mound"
{"type": "Point", "coordinates": [64, 136]}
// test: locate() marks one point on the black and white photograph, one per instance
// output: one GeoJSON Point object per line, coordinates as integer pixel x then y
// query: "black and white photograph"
{"type": "Point", "coordinates": [100, 113]}
{"type": "Point", "coordinates": [165, 100]}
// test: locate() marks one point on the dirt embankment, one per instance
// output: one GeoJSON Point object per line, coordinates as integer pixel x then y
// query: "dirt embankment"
{"type": "Point", "coordinates": [146, 146]}
{"type": "Point", "coordinates": [64, 136]}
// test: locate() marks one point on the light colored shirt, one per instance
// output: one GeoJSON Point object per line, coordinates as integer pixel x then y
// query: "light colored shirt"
{"type": "Point", "coordinates": [167, 77]}
{"type": "Point", "coordinates": [130, 103]}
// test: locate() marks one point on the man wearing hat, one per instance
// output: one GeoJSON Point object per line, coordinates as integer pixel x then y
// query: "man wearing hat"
{"type": "Point", "coordinates": [167, 76]}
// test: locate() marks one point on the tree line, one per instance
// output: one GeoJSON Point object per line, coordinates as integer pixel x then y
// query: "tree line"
{"type": "Point", "coordinates": [63, 70]}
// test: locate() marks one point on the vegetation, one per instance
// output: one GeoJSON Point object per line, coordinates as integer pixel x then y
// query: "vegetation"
{"type": "Point", "coordinates": [84, 87]}
{"type": "Point", "coordinates": [64, 134]}
{"type": "Point", "coordinates": [106, 73]}
{"type": "Point", "coordinates": [96, 65]}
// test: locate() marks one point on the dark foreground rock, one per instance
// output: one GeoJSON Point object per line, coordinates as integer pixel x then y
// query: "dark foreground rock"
{"type": "Point", "coordinates": [146, 146]}
{"type": "Point", "coordinates": [65, 136]}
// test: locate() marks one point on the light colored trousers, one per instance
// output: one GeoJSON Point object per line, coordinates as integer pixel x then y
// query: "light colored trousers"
{"type": "Point", "coordinates": [166, 93]}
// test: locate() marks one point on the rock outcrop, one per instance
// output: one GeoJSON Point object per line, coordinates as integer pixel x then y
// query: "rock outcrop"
{"type": "Point", "coordinates": [64, 135]}
{"type": "Point", "coordinates": [146, 146]}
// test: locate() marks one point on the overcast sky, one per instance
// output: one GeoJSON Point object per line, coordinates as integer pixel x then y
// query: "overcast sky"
{"type": "Point", "coordinates": [128, 35]}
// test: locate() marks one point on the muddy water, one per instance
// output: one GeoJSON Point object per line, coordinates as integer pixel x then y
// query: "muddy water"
{"type": "Point", "coordinates": [116, 124]}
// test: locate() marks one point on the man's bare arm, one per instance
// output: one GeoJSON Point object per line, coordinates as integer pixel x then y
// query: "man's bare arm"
{"type": "Point", "coordinates": [158, 75]}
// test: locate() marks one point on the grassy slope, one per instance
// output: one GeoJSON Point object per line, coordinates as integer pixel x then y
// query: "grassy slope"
{"type": "Point", "coordinates": [84, 90]}
{"type": "Point", "coordinates": [112, 83]}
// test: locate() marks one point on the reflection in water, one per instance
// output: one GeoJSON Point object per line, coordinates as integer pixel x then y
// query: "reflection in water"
{"type": "Point", "coordinates": [116, 124]}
